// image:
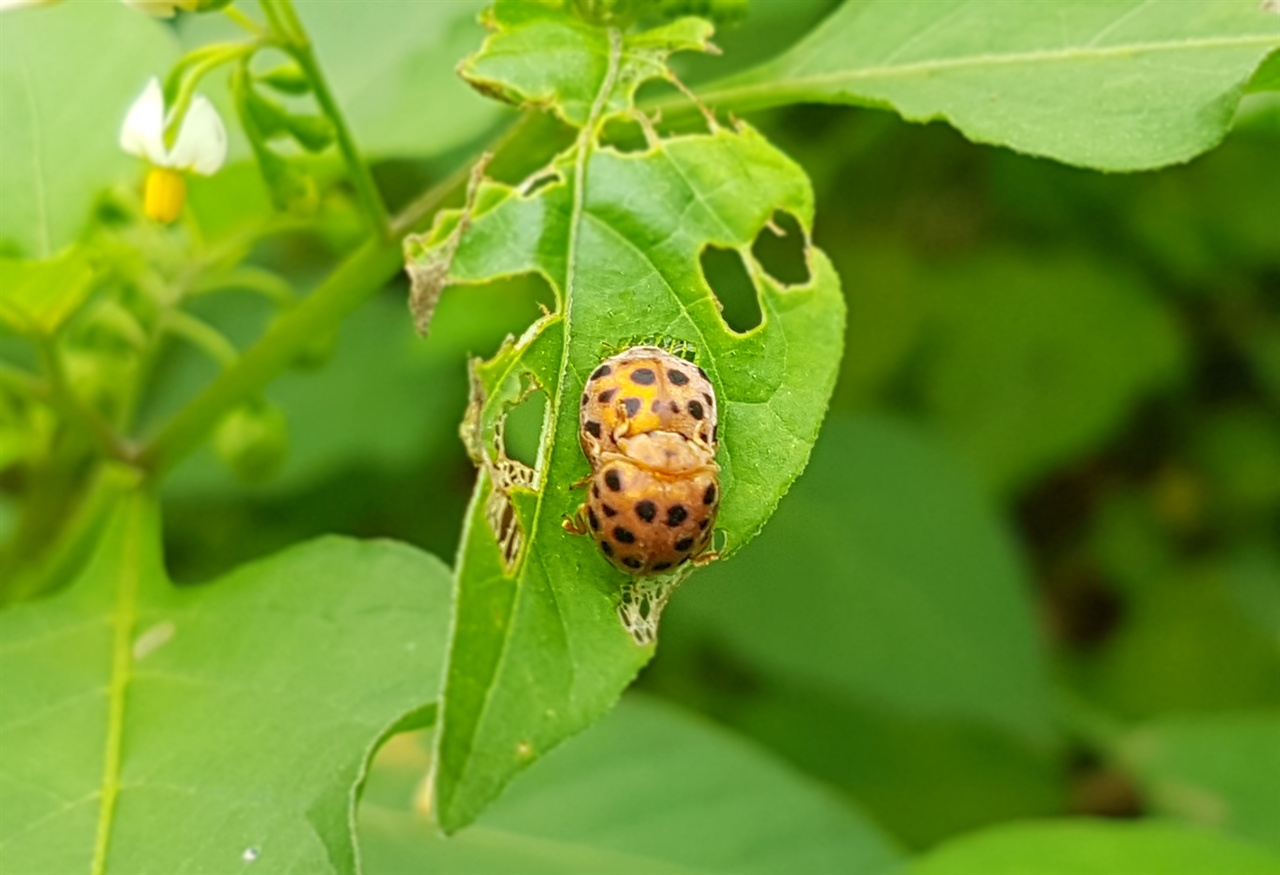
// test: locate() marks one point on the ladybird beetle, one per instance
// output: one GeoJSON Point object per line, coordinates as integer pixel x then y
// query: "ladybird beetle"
{"type": "Point", "coordinates": [649, 430]}
{"type": "Point", "coordinates": [646, 389]}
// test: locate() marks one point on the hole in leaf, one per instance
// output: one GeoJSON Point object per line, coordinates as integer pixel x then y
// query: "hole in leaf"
{"type": "Point", "coordinates": [624, 134]}
{"type": "Point", "coordinates": [732, 285]}
{"type": "Point", "coordinates": [523, 428]}
{"type": "Point", "coordinates": [783, 256]}
{"type": "Point", "coordinates": [538, 182]}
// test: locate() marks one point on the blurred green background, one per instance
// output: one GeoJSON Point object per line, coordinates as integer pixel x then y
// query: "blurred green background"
{"type": "Point", "coordinates": [1034, 565]}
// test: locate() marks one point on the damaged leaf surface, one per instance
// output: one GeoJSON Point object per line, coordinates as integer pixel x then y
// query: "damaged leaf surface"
{"type": "Point", "coordinates": [537, 651]}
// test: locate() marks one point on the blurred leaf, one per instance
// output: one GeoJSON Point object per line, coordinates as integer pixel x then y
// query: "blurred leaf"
{"type": "Point", "coordinates": [885, 576]}
{"type": "Point", "coordinates": [384, 400]}
{"type": "Point", "coordinates": [1122, 85]}
{"type": "Point", "coordinates": [925, 778]}
{"type": "Point", "coordinates": [1185, 645]}
{"type": "Point", "coordinates": [1221, 771]}
{"type": "Point", "coordinates": [201, 729]}
{"type": "Point", "coordinates": [39, 296]}
{"type": "Point", "coordinates": [61, 122]}
{"type": "Point", "coordinates": [393, 69]}
{"type": "Point", "coordinates": [1084, 847]}
{"type": "Point", "coordinates": [648, 789]}
{"type": "Point", "coordinates": [538, 651]}
{"type": "Point", "coordinates": [1029, 362]}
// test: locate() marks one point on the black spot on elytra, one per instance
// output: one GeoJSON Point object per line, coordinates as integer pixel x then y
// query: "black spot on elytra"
{"type": "Point", "coordinates": [624, 536]}
{"type": "Point", "coordinates": [695, 409]}
{"type": "Point", "coordinates": [677, 378]}
{"type": "Point", "coordinates": [643, 376]}
{"type": "Point", "coordinates": [593, 519]}
{"type": "Point", "coordinates": [585, 397]}
{"type": "Point", "coordinates": [675, 407]}
{"type": "Point", "coordinates": [715, 432]}
{"type": "Point", "coordinates": [711, 402]}
{"type": "Point", "coordinates": [608, 511]}
{"type": "Point", "coordinates": [632, 562]}
{"type": "Point", "coordinates": [602, 371]}
{"type": "Point", "coordinates": [702, 524]}
{"type": "Point", "coordinates": [710, 495]}
{"type": "Point", "coordinates": [607, 548]}
{"type": "Point", "coordinates": [612, 480]}
{"type": "Point", "coordinates": [593, 428]}
{"type": "Point", "coordinates": [607, 395]}
{"type": "Point", "coordinates": [676, 514]}
{"type": "Point", "coordinates": [632, 405]}
{"type": "Point", "coordinates": [646, 510]}
{"type": "Point", "coordinates": [662, 566]}
{"type": "Point", "coordinates": [595, 489]}
{"type": "Point", "coordinates": [684, 544]}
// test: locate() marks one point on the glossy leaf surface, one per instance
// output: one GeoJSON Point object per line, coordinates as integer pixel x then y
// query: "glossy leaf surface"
{"type": "Point", "coordinates": [649, 789]}
{"type": "Point", "coordinates": [216, 728]}
{"type": "Point", "coordinates": [1116, 85]}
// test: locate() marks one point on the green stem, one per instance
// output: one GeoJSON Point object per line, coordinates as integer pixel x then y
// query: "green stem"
{"type": "Point", "coordinates": [202, 335]}
{"type": "Point", "coordinates": [242, 20]}
{"type": "Point", "coordinates": [271, 286]}
{"type": "Point", "coordinates": [288, 27]}
{"type": "Point", "coordinates": [359, 276]}
{"type": "Point", "coordinates": [65, 398]}
{"type": "Point", "coordinates": [177, 111]}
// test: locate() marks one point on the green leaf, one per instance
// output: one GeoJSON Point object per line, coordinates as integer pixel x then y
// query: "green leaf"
{"type": "Point", "coordinates": [648, 789]}
{"type": "Point", "coordinates": [39, 296]}
{"type": "Point", "coordinates": [541, 55]}
{"type": "Point", "coordinates": [200, 729]}
{"type": "Point", "coordinates": [1219, 771]}
{"type": "Point", "coordinates": [1035, 360]}
{"type": "Point", "coordinates": [61, 122]}
{"type": "Point", "coordinates": [1083, 847]}
{"type": "Point", "coordinates": [839, 592]}
{"type": "Point", "coordinates": [1117, 85]}
{"type": "Point", "coordinates": [538, 651]}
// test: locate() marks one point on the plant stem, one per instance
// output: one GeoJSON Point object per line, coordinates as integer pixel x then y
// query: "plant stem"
{"type": "Point", "coordinates": [202, 335]}
{"type": "Point", "coordinates": [289, 28]}
{"type": "Point", "coordinates": [360, 275]}
{"type": "Point", "coordinates": [63, 396]}
{"type": "Point", "coordinates": [242, 20]}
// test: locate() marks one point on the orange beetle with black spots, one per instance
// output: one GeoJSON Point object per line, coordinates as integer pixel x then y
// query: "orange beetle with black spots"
{"type": "Point", "coordinates": [649, 428]}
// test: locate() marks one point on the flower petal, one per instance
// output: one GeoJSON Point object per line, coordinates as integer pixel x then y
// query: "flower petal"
{"type": "Point", "coordinates": [6, 5]}
{"type": "Point", "coordinates": [143, 131]}
{"type": "Point", "coordinates": [202, 140]}
{"type": "Point", "coordinates": [157, 8]}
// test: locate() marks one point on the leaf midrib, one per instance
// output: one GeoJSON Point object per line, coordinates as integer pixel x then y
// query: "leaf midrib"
{"type": "Point", "coordinates": [125, 616]}
{"type": "Point", "coordinates": [585, 141]}
{"type": "Point", "coordinates": [787, 83]}
{"type": "Point", "coordinates": [37, 150]}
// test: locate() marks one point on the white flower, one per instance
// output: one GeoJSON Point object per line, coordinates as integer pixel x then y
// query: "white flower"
{"type": "Point", "coordinates": [201, 147]}
{"type": "Point", "coordinates": [162, 8]}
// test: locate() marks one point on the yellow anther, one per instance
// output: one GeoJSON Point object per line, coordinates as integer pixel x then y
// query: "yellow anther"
{"type": "Point", "coordinates": [164, 193]}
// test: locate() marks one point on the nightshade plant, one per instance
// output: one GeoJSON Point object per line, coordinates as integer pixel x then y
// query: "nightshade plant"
{"type": "Point", "coordinates": [147, 726]}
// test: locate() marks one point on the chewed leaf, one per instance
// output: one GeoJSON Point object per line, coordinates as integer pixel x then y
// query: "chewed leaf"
{"type": "Point", "coordinates": [541, 54]}
{"type": "Point", "coordinates": [546, 633]}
